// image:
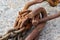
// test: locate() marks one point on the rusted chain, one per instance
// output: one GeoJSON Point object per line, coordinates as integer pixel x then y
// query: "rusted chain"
{"type": "Point", "coordinates": [34, 13]}
{"type": "Point", "coordinates": [28, 18]}
{"type": "Point", "coordinates": [40, 10]}
{"type": "Point", "coordinates": [43, 18]}
{"type": "Point", "coordinates": [6, 36]}
{"type": "Point", "coordinates": [29, 4]}
{"type": "Point", "coordinates": [38, 28]}
{"type": "Point", "coordinates": [25, 8]}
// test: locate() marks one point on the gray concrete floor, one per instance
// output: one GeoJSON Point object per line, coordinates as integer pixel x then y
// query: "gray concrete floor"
{"type": "Point", "coordinates": [9, 11]}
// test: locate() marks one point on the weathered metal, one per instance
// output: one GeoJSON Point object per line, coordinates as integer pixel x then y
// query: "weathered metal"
{"type": "Point", "coordinates": [27, 19]}
{"type": "Point", "coordinates": [39, 27]}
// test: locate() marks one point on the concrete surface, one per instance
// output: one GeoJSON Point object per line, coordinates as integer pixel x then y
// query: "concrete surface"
{"type": "Point", "coordinates": [9, 10]}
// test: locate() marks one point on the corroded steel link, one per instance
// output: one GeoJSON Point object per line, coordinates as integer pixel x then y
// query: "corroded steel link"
{"type": "Point", "coordinates": [38, 11]}
{"type": "Point", "coordinates": [38, 28]}
{"type": "Point", "coordinates": [25, 8]}
{"type": "Point", "coordinates": [32, 15]}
